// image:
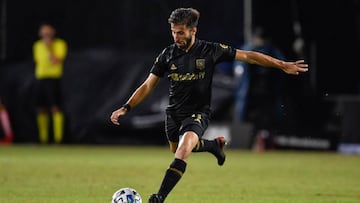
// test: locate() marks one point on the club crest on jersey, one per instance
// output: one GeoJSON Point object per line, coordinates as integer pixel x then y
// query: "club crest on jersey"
{"type": "Point", "coordinates": [200, 64]}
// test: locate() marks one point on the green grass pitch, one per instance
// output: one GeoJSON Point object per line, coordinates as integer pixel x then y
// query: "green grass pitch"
{"type": "Point", "coordinates": [86, 174]}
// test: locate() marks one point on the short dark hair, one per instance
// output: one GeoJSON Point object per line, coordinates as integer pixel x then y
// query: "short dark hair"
{"type": "Point", "coordinates": [185, 16]}
{"type": "Point", "coordinates": [46, 23]}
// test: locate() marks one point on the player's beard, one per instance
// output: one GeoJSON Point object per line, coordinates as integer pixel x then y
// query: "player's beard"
{"type": "Point", "coordinates": [186, 45]}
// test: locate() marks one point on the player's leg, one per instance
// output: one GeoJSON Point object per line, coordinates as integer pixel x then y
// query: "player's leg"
{"type": "Point", "coordinates": [216, 146]}
{"type": "Point", "coordinates": [42, 117]}
{"type": "Point", "coordinates": [186, 145]}
{"type": "Point", "coordinates": [172, 128]}
{"type": "Point", "coordinates": [57, 114]}
{"type": "Point", "coordinates": [58, 124]}
{"type": "Point", "coordinates": [177, 167]}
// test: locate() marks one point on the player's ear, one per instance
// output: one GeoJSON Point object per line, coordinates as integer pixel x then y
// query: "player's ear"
{"type": "Point", "coordinates": [194, 30]}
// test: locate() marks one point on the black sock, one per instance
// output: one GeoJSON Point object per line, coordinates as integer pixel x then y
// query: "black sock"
{"type": "Point", "coordinates": [172, 176]}
{"type": "Point", "coordinates": [205, 146]}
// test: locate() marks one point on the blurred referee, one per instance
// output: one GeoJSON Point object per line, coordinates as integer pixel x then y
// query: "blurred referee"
{"type": "Point", "coordinates": [189, 65]}
{"type": "Point", "coordinates": [49, 53]}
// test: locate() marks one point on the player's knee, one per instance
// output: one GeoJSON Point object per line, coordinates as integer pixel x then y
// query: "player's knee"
{"type": "Point", "coordinates": [189, 140]}
{"type": "Point", "coordinates": [183, 149]}
{"type": "Point", "coordinates": [183, 152]}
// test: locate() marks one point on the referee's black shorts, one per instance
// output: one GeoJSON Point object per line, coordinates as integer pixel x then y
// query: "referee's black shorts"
{"type": "Point", "coordinates": [175, 127]}
{"type": "Point", "coordinates": [48, 92]}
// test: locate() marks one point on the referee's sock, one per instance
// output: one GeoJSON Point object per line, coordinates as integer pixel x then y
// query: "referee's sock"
{"type": "Point", "coordinates": [205, 146]}
{"type": "Point", "coordinates": [172, 177]}
{"type": "Point", "coordinates": [43, 127]}
{"type": "Point", "coordinates": [58, 121]}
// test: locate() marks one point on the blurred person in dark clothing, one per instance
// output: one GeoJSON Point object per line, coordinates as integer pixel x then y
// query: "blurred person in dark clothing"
{"type": "Point", "coordinates": [259, 93]}
{"type": "Point", "coordinates": [49, 53]}
{"type": "Point", "coordinates": [189, 65]}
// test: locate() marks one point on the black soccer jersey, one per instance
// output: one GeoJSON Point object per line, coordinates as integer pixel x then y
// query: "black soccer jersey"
{"type": "Point", "coordinates": [190, 74]}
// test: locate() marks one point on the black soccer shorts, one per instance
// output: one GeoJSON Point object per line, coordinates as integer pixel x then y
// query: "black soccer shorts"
{"type": "Point", "coordinates": [175, 127]}
{"type": "Point", "coordinates": [48, 92]}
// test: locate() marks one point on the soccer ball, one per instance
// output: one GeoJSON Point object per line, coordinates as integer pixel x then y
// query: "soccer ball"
{"type": "Point", "coordinates": [126, 195]}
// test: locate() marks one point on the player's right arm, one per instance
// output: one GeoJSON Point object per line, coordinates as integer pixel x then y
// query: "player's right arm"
{"type": "Point", "coordinates": [258, 58]}
{"type": "Point", "coordinates": [137, 97]}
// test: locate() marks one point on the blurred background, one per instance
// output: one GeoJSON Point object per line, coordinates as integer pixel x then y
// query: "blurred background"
{"type": "Point", "coordinates": [112, 46]}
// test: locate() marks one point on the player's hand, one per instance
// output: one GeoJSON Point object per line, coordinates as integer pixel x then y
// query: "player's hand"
{"type": "Point", "coordinates": [116, 114]}
{"type": "Point", "coordinates": [54, 60]}
{"type": "Point", "coordinates": [295, 68]}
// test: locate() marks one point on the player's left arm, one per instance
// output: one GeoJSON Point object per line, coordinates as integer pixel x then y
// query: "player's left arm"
{"type": "Point", "coordinates": [258, 58]}
{"type": "Point", "coordinates": [59, 53]}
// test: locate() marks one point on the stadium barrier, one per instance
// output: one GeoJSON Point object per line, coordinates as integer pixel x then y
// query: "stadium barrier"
{"type": "Point", "coordinates": [348, 109]}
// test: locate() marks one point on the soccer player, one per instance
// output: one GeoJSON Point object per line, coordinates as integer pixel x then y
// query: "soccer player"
{"type": "Point", "coordinates": [49, 55]}
{"type": "Point", "coordinates": [189, 65]}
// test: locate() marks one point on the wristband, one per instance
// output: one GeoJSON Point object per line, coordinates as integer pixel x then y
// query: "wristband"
{"type": "Point", "coordinates": [127, 107]}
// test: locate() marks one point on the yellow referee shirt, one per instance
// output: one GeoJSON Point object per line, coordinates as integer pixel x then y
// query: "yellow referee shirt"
{"type": "Point", "coordinates": [44, 68]}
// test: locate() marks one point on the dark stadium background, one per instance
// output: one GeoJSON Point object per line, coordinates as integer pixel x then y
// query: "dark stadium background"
{"type": "Point", "coordinates": [112, 45]}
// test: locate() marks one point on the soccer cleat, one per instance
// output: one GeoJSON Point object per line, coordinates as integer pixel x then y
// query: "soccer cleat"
{"type": "Point", "coordinates": [219, 151]}
{"type": "Point", "coordinates": [156, 198]}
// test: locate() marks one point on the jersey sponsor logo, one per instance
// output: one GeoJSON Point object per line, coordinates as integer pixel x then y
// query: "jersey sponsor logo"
{"type": "Point", "coordinates": [224, 46]}
{"type": "Point", "coordinates": [200, 64]}
{"type": "Point", "coordinates": [173, 67]}
{"type": "Point", "coordinates": [187, 76]}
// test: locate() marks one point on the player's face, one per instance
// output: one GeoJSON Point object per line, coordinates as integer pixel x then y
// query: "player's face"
{"type": "Point", "coordinates": [47, 32]}
{"type": "Point", "coordinates": [183, 36]}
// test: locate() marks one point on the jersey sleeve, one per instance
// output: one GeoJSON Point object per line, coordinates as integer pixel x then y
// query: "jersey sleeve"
{"type": "Point", "coordinates": [60, 49]}
{"type": "Point", "coordinates": [159, 67]}
{"type": "Point", "coordinates": [36, 52]}
{"type": "Point", "coordinates": [223, 53]}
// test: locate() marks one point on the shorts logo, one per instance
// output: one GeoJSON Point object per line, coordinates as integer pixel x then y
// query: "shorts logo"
{"type": "Point", "coordinates": [197, 117]}
{"type": "Point", "coordinates": [200, 64]}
